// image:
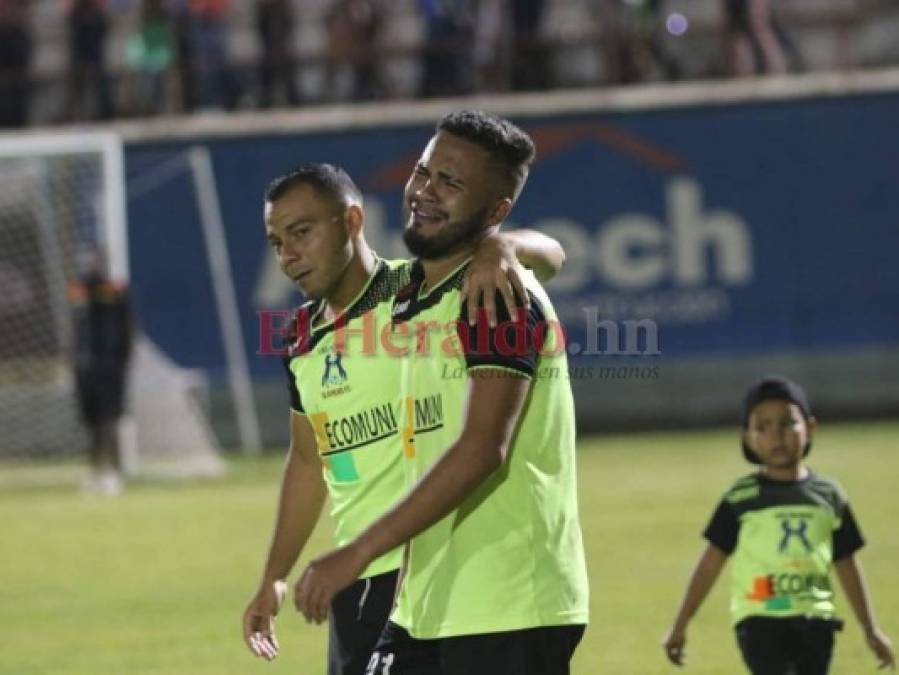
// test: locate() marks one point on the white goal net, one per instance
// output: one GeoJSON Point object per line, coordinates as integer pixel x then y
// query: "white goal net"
{"type": "Point", "coordinates": [60, 195]}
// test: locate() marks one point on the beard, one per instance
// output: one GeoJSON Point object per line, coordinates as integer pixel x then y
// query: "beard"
{"type": "Point", "coordinates": [453, 237]}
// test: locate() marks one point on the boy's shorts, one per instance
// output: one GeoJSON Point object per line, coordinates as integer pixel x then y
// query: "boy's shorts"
{"type": "Point", "coordinates": [789, 646]}
{"type": "Point", "coordinates": [358, 616]}
{"type": "Point", "coordinates": [546, 650]}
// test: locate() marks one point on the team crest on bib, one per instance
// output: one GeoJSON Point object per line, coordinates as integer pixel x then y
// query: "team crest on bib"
{"type": "Point", "coordinates": [334, 375]}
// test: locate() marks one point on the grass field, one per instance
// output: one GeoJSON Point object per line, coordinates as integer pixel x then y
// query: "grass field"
{"type": "Point", "coordinates": [155, 581]}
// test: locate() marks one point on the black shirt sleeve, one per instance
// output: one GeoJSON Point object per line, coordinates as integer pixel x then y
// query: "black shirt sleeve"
{"type": "Point", "coordinates": [515, 343]}
{"type": "Point", "coordinates": [847, 538]}
{"type": "Point", "coordinates": [295, 402]}
{"type": "Point", "coordinates": [723, 528]}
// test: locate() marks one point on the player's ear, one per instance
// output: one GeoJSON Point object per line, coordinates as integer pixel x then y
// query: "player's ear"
{"type": "Point", "coordinates": [499, 212]}
{"type": "Point", "coordinates": [353, 218]}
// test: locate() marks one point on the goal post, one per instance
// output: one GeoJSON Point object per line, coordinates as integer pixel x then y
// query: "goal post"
{"type": "Point", "coordinates": [107, 195]}
{"type": "Point", "coordinates": [62, 194]}
{"type": "Point", "coordinates": [195, 165]}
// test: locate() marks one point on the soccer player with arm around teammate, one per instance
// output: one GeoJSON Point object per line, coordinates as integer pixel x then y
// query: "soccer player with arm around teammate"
{"type": "Point", "coordinates": [495, 578]}
{"type": "Point", "coordinates": [784, 526]}
{"type": "Point", "coordinates": [314, 222]}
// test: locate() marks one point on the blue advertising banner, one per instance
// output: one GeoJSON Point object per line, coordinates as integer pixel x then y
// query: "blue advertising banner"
{"type": "Point", "coordinates": [736, 231]}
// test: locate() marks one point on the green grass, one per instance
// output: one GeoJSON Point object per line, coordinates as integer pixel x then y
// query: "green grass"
{"type": "Point", "coordinates": [155, 581]}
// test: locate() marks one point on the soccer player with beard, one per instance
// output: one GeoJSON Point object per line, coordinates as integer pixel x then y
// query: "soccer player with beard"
{"type": "Point", "coordinates": [346, 440]}
{"type": "Point", "coordinates": [495, 579]}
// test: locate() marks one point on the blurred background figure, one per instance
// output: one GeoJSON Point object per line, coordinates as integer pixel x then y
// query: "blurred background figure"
{"type": "Point", "coordinates": [15, 57]}
{"type": "Point", "coordinates": [757, 42]}
{"type": "Point", "coordinates": [103, 337]}
{"type": "Point", "coordinates": [530, 66]}
{"type": "Point", "coordinates": [208, 54]}
{"type": "Point", "coordinates": [275, 26]}
{"type": "Point", "coordinates": [150, 54]}
{"type": "Point", "coordinates": [447, 66]}
{"type": "Point", "coordinates": [179, 11]}
{"type": "Point", "coordinates": [492, 45]}
{"type": "Point", "coordinates": [353, 28]}
{"type": "Point", "coordinates": [632, 41]}
{"type": "Point", "coordinates": [226, 55]}
{"type": "Point", "coordinates": [89, 90]}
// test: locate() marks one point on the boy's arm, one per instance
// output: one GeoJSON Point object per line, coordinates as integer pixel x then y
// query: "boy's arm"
{"type": "Point", "coordinates": [302, 496]}
{"type": "Point", "coordinates": [701, 581]}
{"type": "Point", "coordinates": [852, 579]}
{"type": "Point", "coordinates": [495, 268]}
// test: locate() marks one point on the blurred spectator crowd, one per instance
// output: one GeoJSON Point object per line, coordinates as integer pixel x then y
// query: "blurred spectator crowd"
{"type": "Point", "coordinates": [68, 60]}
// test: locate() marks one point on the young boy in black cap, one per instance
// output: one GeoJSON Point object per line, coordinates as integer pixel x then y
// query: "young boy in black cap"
{"type": "Point", "coordinates": [784, 526]}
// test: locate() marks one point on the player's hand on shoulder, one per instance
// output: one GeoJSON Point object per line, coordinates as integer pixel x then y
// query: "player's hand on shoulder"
{"type": "Point", "coordinates": [494, 268]}
{"type": "Point", "coordinates": [882, 647]}
{"type": "Point", "coordinates": [259, 620]}
{"type": "Point", "coordinates": [673, 644]}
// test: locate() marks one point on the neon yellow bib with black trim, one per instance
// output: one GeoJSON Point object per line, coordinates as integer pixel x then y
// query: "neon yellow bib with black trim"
{"type": "Point", "coordinates": [351, 391]}
{"type": "Point", "coordinates": [784, 552]}
{"type": "Point", "coordinates": [511, 557]}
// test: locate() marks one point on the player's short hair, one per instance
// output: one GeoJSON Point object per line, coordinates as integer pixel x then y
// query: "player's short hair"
{"type": "Point", "coordinates": [328, 180]}
{"type": "Point", "coordinates": [509, 146]}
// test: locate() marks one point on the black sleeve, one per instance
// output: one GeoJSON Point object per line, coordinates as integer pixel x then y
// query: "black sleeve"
{"type": "Point", "coordinates": [847, 538]}
{"type": "Point", "coordinates": [723, 528]}
{"type": "Point", "coordinates": [515, 343]}
{"type": "Point", "coordinates": [295, 402]}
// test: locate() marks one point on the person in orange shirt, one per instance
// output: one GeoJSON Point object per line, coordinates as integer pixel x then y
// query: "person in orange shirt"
{"type": "Point", "coordinates": [103, 332]}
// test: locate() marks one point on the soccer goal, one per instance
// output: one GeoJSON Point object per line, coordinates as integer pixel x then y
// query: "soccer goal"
{"type": "Point", "coordinates": [62, 194]}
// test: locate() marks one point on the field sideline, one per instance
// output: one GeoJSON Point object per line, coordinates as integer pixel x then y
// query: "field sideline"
{"type": "Point", "coordinates": [155, 581]}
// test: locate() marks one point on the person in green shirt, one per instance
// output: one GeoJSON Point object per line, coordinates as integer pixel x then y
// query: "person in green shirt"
{"type": "Point", "coordinates": [784, 527]}
{"type": "Point", "coordinates": [346, 406]}
{"type": "Point", "coordinates": [150, 53]}
{"type": "Point", "coordinates": [495, 578]}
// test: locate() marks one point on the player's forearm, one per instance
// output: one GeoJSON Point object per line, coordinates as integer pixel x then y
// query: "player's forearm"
{"type": "Point", "coordinates": [853, 582]}
{"type": "Point", "coordinates": [492, 410]}
{"type": "Point", "coordinates": [701, 581]}
{"type": "Point", "coordinates": [302, 496]}
{"type": "Point", "coordinates": [535, 250]}
{"type": "Point", "coordinates": [447, 484]}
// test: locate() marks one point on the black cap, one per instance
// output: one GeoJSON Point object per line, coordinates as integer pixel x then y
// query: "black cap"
{"type": "Point", "coordinates": [774, 388]}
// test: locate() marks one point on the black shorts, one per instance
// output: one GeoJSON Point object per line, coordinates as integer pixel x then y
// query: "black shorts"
{"type": "Point", "coordinates": [101, 395]}
{"type": "Point", "coordinates": [788, 646]}
{"type": "Point", "coordinates": [359, 614]}
{"type": "Point", "coordinates": [546, 650]}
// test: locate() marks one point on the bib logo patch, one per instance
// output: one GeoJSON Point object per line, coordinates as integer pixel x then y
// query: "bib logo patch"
{"type": "Point", "coordinates": [794, 528]}
{"type": "Point", "coordinates": [334, 374]}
